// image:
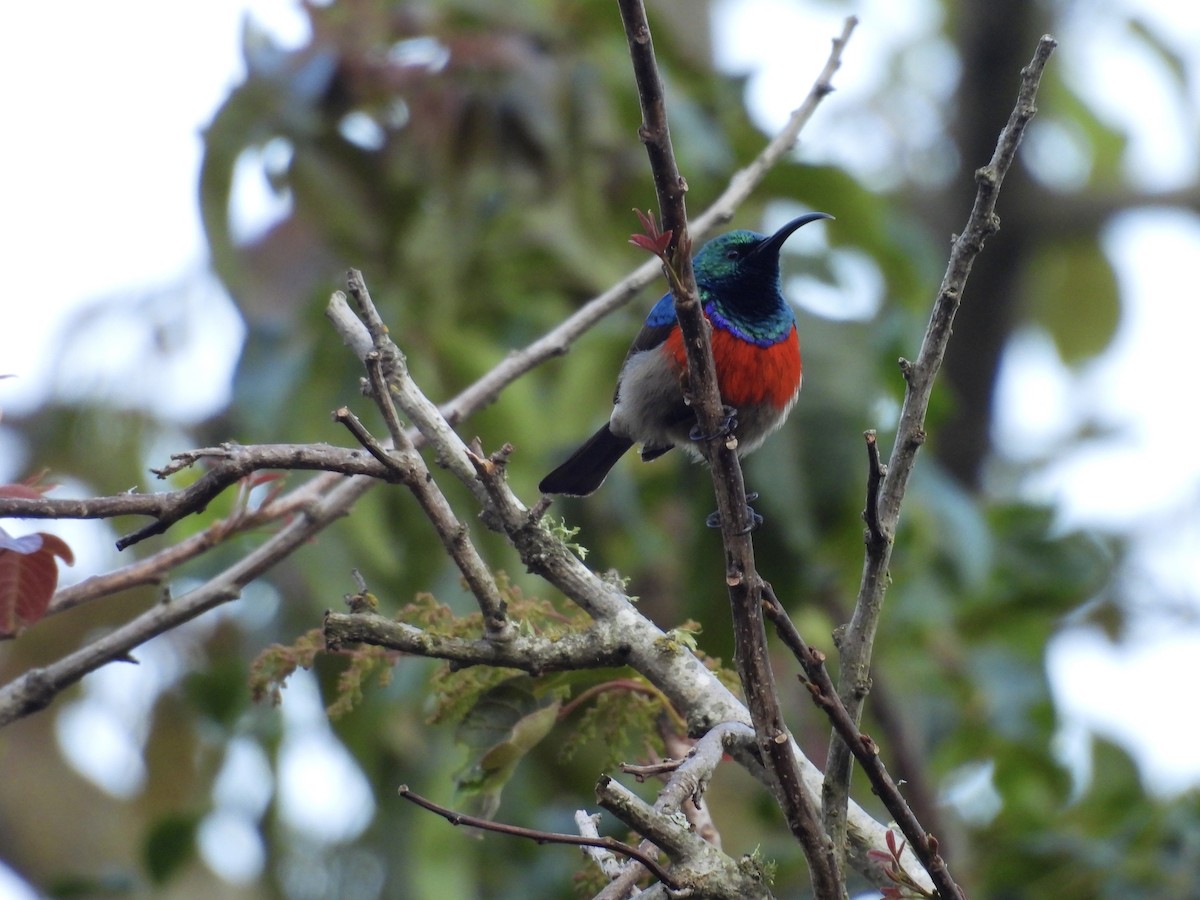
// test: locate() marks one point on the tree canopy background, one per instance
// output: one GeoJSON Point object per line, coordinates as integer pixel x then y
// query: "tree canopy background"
{"type": "Point", "coordinates": [479, 164]}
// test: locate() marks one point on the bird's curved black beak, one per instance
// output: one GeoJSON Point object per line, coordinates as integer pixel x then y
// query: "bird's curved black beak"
{"type": "Point", "coordinates": [774, 243]}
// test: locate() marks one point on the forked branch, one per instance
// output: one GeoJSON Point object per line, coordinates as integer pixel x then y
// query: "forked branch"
{"type": "Point", "coordinates": [858, 639]}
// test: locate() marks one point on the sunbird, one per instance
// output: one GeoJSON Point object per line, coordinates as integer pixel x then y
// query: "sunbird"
{"type": "Point", "coordinates": [756, 351]}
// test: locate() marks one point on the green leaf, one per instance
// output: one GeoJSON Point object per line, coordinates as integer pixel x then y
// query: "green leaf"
{"type": "Point", "coordinates": [1174, 62]}
{"type": "Point", "coordinates": [504, 725]}
{"type": "Point", "coordinates": [89, 887]}
{"type": "Point", "coordinates": [1071, 291]}
{"type": "Point", "coordinates": [169, 846]}
{"type": "Point", "coordinates": [219, 693]}
{"type": "Point", "coordinates": [1105, 145]}
{"type": "Point", "coordinates": [1116, 784]}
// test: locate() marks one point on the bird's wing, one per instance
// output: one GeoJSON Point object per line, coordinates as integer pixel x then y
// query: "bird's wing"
{"type": "Point", "coordinates": [654, 331]}
{"type": "Point", "coordinates": [657, 326]}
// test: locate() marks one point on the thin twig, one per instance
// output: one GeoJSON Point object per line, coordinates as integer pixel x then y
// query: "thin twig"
{"type": "Point", "coordinates": [151, 570]}
{"type": "Point", "coordinates": [642, 771]}
{"type": "Point", "coordinates": [865, 750]}
{"type": "Point", "coordinates": [231, 463]}
{"type": "Point", "coordinates": [541, 837]}
{"type": "Point", "coordinates": [409, 468]}
{"type": "Point", "coordinates": [381, 394]}
{"type": "Point", "coordinates": [387, 373]}
{"type": "Point", "coordinates": [858, 639]}
{"type": "Point", "coordinates": [745, 181]}
{"type": "Point", "coordinates": [36, 688]}
{"type": "Point", "coordinates": [875, 473]}
{"type": "Point", "coordinates": [629, 686]}
{"type": "Point", "coordinates": [354, 425]}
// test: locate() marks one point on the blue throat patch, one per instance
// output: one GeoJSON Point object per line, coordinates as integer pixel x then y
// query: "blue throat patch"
{"type": "Point", "coordinates": [765, 332]}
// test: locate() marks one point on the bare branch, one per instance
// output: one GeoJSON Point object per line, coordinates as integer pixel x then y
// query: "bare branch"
{"type": "Point", "coordinates": [865, 750]}
{"type": "Point", "coordinates": [37, 688]}
{"type": "Point", "coordinates": [699, 814]}
{"type": "Point", "coordinates": [430, 422]}
{"type": "Point", "coordinates": [387, 372]}
{"type": "Point", "coordinates": [541, 837]}
{"type": "Point", "coordinates": [744, 182]}
{"type": "Point", "coordinates": [604, 860]}
{"type": "Point", "coordinates": [231, 463]}
{"type": "Point", "coordinates": [696, 864]}
{"type": "Point", "coordinates": [151, 570]}
{"type": "Point", "coordinates": [875, 472]}
{"type": "Point", "coordinates": [857, 641]}
{"type": "Point", "coordinates": [691, 775]}
{"type": "Point", "coordinates": [355, 426]}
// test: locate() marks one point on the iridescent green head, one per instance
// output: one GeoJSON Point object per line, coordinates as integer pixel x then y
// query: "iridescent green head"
{"type": "Point", "coordinates": [740, 269]}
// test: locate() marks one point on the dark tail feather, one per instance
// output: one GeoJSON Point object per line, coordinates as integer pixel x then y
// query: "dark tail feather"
{"type": "Point", "coordinates": [586, 468]}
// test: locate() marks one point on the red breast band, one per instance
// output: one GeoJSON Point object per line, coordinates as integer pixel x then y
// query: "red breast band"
{"type": "Point", "coordinates": [746, 373]}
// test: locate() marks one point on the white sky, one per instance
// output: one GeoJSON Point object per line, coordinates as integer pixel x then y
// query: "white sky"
{"type": "Point", "coordinates": [134, 81]}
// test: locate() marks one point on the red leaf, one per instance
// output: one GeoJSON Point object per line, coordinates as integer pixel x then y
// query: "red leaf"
{"type": "Point", "coordinates": [20, 490]}
{"type": "Point", "coordinates": [657, 245]}
{"type": "Point", "coordinates": [28, 581]}
{"type": "Point", "coordinates": [649, 223]}
{"type": "Point", "coordinates": [651, 239]}
{"type": "Point", "coordinates": [645, 242]}
{"type": "Point", "coordinates": [265, 477]}
{"type": "Point", "coordinates": [32, 488]}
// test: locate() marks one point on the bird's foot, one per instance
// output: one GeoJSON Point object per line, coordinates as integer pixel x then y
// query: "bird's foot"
{"type": "Point", "coordinates": [725, 428]}
{"type": "Point", "coordinates": [714, 518]}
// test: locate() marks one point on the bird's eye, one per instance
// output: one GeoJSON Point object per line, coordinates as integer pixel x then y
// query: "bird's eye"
{"type": "Point", "coordinates": [733, 253]}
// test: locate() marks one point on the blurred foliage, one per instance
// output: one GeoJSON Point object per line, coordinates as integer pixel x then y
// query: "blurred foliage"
{"type": "Point", "coordinates": [498, 732]}
{"type": "Point", "coordinates": [479, 161]}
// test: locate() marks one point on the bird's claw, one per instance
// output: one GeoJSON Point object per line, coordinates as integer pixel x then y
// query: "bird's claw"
{"type": "Point", "coordinates": [724, 428]}
{"type": "Point", "coordinates": [714, 518]}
